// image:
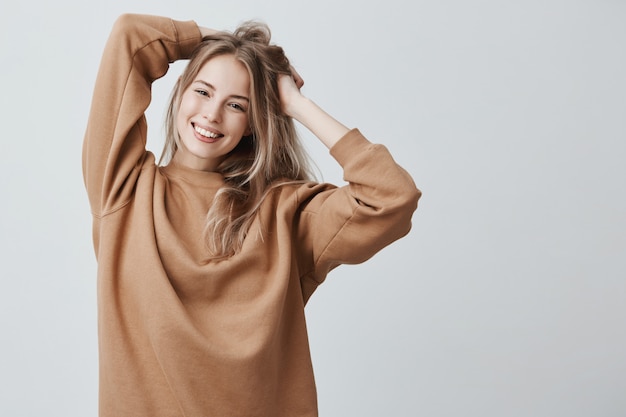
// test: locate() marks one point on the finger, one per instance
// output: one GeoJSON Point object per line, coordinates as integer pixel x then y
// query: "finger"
{"type": "Point", "coordinates": [296, 77]}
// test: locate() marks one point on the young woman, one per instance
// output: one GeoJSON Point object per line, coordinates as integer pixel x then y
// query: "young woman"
{"type": "Point", "coordinates": [206, 261]}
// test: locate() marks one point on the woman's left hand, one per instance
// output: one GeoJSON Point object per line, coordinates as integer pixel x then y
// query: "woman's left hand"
{"type": "Point", "coordinates": [289, 91]}
{"type": "Point", "coordinates": [305, 111]}
{"type": "Point", "coordinates": [296, 77]}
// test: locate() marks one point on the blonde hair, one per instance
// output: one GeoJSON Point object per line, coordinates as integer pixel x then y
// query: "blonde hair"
{"type": "Point", "coordinates": [270, 156]}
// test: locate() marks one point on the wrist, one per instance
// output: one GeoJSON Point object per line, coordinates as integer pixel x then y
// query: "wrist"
{"type": "Point", "coordinates": [297, 107]}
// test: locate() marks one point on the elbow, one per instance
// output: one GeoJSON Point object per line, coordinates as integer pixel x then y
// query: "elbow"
{"type": "Point", "coordinates": [413, 197]}
{"type": "Point", "coordinates": [405, 194]}
{"type": "Point", "coordinates": [408, 201]}
{"type": "Point", "coordinates": [404, 209]}
{"type": "Point", "coordinates": [122, 23]}
{"type": "Point", "coordinates": [125, 25]}
{"type": "Point", "coordinates": [125, 20]}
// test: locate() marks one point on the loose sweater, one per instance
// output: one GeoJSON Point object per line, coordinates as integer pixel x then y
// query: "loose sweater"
{"type": "Point", "coordinates": [181, 334]}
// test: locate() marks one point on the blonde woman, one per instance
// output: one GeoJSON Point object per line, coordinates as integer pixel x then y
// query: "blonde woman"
{"type": "Point", "coordinates": [207, 259]}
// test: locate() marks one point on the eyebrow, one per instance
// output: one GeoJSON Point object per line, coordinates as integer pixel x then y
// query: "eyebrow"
{"type": "Point", "coordinates": [209, 85]}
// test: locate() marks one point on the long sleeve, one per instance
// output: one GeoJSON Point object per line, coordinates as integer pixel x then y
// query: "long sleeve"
{"type": "Point", "coordinates": [137, 52]}
{"type": "Point", "coordinates": [350, 224]}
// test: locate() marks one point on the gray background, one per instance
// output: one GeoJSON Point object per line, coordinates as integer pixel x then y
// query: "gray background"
{"type": "Point", "coordinates": [507, 298]}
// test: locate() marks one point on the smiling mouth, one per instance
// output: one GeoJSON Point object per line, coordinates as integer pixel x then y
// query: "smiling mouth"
{"type": "Point", "coordinates": [206, 133]}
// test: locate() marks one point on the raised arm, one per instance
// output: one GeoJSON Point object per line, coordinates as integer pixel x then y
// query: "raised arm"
{"type": "Point", "coordinates": [138, 51]}
{"type": "Point", "coordinates": [309, 114]}
{"type": "Point", "coordinates": [351, 223]}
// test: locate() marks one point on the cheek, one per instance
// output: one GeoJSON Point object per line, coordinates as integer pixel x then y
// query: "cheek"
{"type": "Point", "coordinates": [245, 126]}
{"type": "Point", "coordinates": [179, 122]}
{"type": "Point", "coordinates": [184, 106]}
{"type": "Point", "coordinates": [183, 112]}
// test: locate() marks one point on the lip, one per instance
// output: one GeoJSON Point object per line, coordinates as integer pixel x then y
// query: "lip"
{"type": "Point", "coordinates": [203, 138]}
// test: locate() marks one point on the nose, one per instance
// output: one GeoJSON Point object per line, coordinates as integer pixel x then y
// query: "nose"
{"type": "Point", "coordinates": [213, 111]}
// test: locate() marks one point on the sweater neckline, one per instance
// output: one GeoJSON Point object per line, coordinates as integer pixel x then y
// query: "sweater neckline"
{"type": "Point", "coordinates": [195, 177]}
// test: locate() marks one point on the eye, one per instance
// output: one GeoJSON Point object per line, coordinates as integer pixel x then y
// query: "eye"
{"type": "Point", "coordinates": [237, 107]}
{"type": "Point", "coordinates": [202, 92]}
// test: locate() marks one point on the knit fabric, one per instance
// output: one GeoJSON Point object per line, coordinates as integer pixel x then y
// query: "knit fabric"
{"type": "Point", "coordinates": [183, 335]}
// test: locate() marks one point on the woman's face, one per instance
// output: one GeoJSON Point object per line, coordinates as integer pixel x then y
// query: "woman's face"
{"type": "Point", "coordinates": [213, 113]}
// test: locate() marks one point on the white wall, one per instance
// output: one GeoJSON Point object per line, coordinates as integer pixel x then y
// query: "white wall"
{"type": "Point", "coordinates": [507, 298]}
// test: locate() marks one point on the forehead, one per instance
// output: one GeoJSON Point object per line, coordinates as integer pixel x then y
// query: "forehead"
{"type": "Point", "coordinates": [225, 74]}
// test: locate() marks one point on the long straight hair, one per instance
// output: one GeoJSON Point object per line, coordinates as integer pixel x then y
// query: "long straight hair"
{"type": "Point", "coordinates": [271, 155]}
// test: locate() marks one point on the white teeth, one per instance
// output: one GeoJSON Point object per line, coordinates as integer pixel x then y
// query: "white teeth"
{"type": "Point", "coordinates": [206, 133]}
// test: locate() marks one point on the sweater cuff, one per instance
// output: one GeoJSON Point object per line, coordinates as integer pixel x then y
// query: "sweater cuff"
{"type": "Point", "coordinates": [346, 147]}
{"type": "Point", "coordinates": [188, 35]}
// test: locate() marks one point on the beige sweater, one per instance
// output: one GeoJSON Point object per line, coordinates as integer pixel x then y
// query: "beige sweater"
{"type": "Point", "coordinates": [181, 335]}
